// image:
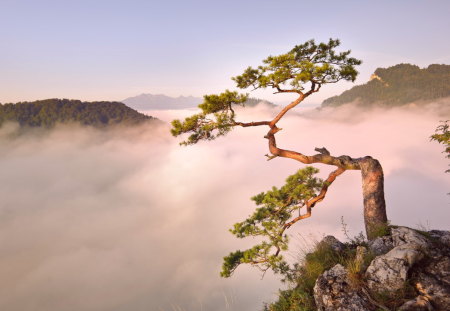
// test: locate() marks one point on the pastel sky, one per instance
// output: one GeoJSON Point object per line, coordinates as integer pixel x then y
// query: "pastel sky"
{"type": "Point", "coordinates": [113, 49]}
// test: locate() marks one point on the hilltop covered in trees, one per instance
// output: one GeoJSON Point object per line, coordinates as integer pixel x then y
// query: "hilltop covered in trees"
{"type": "Point", "coordinates": [47, 113]}
{"type": "Point", "coordinates": [252, 102]}
{"type": "Point", "coordinates": [398, 85]}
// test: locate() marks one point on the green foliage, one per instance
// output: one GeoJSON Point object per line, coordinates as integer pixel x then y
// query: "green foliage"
{"type": "Point", "coordinates": [294, 299]}
{"type": "Point", "coordinates": [381, 230]}
{"type": "Point", "coordinates": [442, 136]}
{"type": "Point", "coordinates": [304, 276]}
{"type": "Point", "coordinates": [398, 85]}
{"type": "Point", "coordinates": [275, 208]}
{"type": "Point", "coordinates": [47, 113]}
{"type": "Point", "coordinates": [305, 63]}
{"type": "Point", "coordinates": [216, 118]}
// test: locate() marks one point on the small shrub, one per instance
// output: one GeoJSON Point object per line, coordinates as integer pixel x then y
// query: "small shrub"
{"type": "Point", "coordinates": [357, 265]}
{"type": "Point", "coordinates": [304, 276]}
{"type": "Point", "coordinates": [294, 299]}
{"type": "Point", "coordinates": [382, 230]}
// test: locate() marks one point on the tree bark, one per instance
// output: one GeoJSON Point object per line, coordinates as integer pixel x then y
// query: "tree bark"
{"type": "Point", "coordinates": [375, 218]}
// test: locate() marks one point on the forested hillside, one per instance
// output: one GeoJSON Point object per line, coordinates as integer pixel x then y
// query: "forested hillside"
{"type": "Point", "coordinates": [252, 102]}
{"type": "Point", "coordinates": [46, 113]}
{"type": "Point", "coordinates": [398, 85]}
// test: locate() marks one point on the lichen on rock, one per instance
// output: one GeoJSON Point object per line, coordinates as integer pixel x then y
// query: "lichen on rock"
{"type": "Point", "coordinates": [389, 272]}
{"type": "Point", "coordinates": [333, 292]}
{"type": "Point", "coordinates": [411, 263]}
{"type": "Point", "coordinates": [381, 245]}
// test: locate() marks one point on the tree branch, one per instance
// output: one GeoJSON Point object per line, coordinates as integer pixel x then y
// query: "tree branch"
{"type": "Point", "coordinates": [258, 123]}
{"type": "Point", "coordinates": [280, 90]}
{"type": "Point", "coordinates": [343, 161]}
{"type": "Point", "coordinates": [286, 109]}
{"type": "Point", "coordinates": [311, 203]}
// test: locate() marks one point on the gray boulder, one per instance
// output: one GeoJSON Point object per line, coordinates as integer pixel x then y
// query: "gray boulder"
{"type": "Point", "coordinates": [381, 245]}
{"type": "Point", "coordinates": [404, 235]}
{"type": "Point", "coordinates": [333, 292]}
{"type": "Point", "coordinates": [332, 242]}
{"type": "Point", "coordinates": [421, 261]}
{"type": "Point", "coordinates": [442, 236]}
{"type": "Point", "coordinates": [433, 290]}
{"type": "Point", "coordinates": [389, 272]}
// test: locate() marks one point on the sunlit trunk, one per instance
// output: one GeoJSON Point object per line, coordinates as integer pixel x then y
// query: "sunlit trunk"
{"type": "Point", "coordinates": [375, 218]}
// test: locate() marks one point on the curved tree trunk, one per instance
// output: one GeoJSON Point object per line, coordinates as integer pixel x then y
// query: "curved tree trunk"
{"type": "Point", "coordinates": [375, 218]}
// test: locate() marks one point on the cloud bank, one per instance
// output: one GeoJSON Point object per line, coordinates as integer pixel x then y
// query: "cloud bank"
{"type": "Point", "coordinates": [128, 220]}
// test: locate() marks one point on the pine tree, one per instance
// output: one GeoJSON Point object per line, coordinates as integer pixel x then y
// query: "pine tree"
{"type": "Point", "coordinates": [302, 71]}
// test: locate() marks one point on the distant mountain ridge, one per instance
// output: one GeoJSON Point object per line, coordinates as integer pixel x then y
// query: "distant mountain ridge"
{"type": "Point", "coordinates": [163, 102]}
{"type": "Point", "coordinates": [47, 113]}
{"type": "Point", "coordinates": [398, 85]}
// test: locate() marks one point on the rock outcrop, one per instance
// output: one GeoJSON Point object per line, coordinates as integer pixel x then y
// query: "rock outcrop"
{"type": "Point", "coordinates": [389, 272]}
{"type": "Point", "coordinates": [381, 245]}
{"type": "Point", "coordinates": [332, 242]}
{"type": "Point", "coordinates": [409, 265]}
{"type": "Point", "coordinates": [333, 291]}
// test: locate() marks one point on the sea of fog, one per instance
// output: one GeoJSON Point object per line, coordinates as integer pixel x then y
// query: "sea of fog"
{"type": "Point", "coordinates": [128, 220]}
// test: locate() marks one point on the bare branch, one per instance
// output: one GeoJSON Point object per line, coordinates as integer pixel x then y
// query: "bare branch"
{"type": "Point", "coordinates": [322, 150]}
{"type": "Point", "coordinates": [269, 157]}
{"type": "Point", "coordinates": [258, 123]}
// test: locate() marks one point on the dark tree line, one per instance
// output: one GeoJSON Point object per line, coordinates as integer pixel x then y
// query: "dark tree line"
{"type": "Point", "coordinates": [47, 113]}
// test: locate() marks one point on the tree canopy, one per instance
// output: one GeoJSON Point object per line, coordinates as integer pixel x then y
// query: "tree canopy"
{"type": "Point", "coordinates": [302, 70]}
{"type": "Point", "coordinates": [305, 63]}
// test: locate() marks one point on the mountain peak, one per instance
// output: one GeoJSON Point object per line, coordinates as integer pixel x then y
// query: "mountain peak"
{"type": "Point", "coordinates": [163, 102]}
{"type": "Point", "coordinates": [148, 101]}
{"type": "Point", "coordinates": [398, 85]}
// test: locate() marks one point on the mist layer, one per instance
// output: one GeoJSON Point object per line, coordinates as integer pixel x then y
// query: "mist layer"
{"type": "Point", "coordinates": [129, 220]}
